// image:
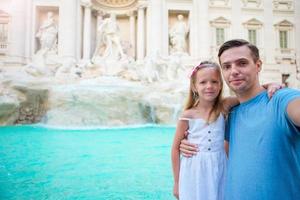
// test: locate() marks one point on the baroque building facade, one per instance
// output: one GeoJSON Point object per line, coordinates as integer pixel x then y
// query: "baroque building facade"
{"type": "Point", "coordinates": [145, 29]}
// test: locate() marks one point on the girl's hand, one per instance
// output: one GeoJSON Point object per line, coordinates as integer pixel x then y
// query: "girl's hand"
{"type": "Point", "coordinates": [176, 190]}
{"type": "Point", "coordinates": [272, 88]}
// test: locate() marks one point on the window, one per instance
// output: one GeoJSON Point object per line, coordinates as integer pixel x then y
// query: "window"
{"type": "Point", "coordinates": [284, 36]}
{"type": "Point", "coordinates": [220, 36]}
{"type": "Point", "coordinates": [253, 31]}
{"type": "Point", "coordinates": [252, 36]}
{"type": "Point", "coordinates": [283, 39]}
{"type": "Point", "coordinates": [4, 22]}
{"type": "Point", "coordinates": [284, 78]}
{"type": "Point", "coordinates": [3, 33]}
{"type": "Point", "coordinates": [220, 30]}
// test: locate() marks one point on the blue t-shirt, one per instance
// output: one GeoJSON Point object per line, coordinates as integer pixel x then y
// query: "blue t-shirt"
{"type": "Point", "coordinates": [264, 149]}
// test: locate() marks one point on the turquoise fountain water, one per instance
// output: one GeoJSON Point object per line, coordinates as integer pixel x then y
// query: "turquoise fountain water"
{"type": "Point", "coordinates": [128, 163]}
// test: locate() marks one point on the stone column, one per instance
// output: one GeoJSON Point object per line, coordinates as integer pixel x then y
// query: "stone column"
{"type": "Point", "coordinates": [157, 20]}
{"type": "Point", "coordinates": [297, 40]}
{"type": "Point", "coordinates": [194, 31]}
{"type": "Point", "coordinates": [267, 37]}
{"type": "Point", "coordinates": [99, 21]}
{"type": "Point", "coordinates": [141, 33]}
{"type": "Point", "coordinates": [16, 47]}
{"type": "Point", "coordinates": [87, 31]}
{"type": "Point", "coordinates": [236, 23]}
{"type": "Point", "coordinates": [203, 31]}
{"type": "Point", "coordinates": [132, 31]}
{"type": "Point", "coordinates": [67, 29]}
{"type": "Point", "coordinates": [28, 32]}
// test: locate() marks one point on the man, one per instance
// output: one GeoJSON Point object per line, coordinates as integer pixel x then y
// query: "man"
{"type": "Point", "coordinates": [263, 133]}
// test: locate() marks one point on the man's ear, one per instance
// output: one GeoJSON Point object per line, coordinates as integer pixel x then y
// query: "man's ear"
{"type": "Point", "coordinates": [258, 65]}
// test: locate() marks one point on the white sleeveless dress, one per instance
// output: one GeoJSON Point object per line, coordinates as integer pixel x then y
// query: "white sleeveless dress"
{"type": "Point", "coordinates": [202, 176]}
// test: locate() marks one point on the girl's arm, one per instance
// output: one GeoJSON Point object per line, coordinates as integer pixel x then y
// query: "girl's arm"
{"type": "Point", "coordinates": [182, 126]}
{"type": "Point", "coordinates": [226, 146]}
{"type": "Point", "coordinates": [272, 88]}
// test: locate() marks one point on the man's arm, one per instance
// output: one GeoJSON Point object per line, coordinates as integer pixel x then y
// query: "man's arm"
{"type": "Point", "coordinates": [293, 111]}
{"type": "Point", "coordinates": [188, 149]}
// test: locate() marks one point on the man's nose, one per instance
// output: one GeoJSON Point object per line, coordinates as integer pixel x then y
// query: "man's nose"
{"type": "Point", "coordinates": [234, 70]}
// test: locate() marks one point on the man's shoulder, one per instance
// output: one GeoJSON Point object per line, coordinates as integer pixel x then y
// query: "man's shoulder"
{"type": "Point", "coordinates": [283, 97]}
{"type": "Point", "coordinates": [286, 93]}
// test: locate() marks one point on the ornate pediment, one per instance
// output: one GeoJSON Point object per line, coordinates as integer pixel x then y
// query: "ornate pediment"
{"type": "Point", "coordinates": [284, 24]}
{"type": "Point", "coordinates": [253, 23]}
{"type": "Point", "coordinates": [252, 3]}
{"type": "Point", "coordinates": [220, 22]}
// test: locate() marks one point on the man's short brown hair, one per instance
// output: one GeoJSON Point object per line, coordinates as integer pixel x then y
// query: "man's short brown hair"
{"type": "Point", "coordinates": [238, 43]}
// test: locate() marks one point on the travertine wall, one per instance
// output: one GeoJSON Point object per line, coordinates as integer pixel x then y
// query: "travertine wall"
{"type": "Point", "coordinates": [145, 27]}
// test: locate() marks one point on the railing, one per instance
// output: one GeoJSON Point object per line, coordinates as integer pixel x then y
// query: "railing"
{"type": "Point", "coordinates": [3, 47]}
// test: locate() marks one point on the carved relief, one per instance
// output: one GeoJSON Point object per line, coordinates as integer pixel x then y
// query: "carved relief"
{"type": "Point", "coordinates": [252, 3]}
{"type": "Point", "coordinates": [116, 3]}
{"type": "Point", "coordinates": [283, 5]}
{"type": "Point", "coordinates": [219, 3]}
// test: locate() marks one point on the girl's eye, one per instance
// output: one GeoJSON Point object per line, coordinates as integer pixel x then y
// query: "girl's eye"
{"type": "Point", "coordinates": [225, 67]}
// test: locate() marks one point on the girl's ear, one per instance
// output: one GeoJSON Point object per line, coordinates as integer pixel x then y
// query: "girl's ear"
{"type": "Point", "coordinates": [193, 88]}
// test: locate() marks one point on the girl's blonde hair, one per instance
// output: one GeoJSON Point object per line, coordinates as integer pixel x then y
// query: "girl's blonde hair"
{"type": "Point", "coordinates": [193, 97]}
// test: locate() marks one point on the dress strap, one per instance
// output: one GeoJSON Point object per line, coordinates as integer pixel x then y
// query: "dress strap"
{"type": "Point", "coordinates": [184, 119]}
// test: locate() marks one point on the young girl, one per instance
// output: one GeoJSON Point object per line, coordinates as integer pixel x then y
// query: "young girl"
{"type": "Point", "coordinates": [202, 175]}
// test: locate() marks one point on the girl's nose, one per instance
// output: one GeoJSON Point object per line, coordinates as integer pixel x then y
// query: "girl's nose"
{"type": "Point", "coordinates": [208, 85]}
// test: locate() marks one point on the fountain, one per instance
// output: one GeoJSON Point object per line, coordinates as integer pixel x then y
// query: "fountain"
{"type": "Point", "coordinates": [111, 89]}
{"type": "Point", "coordinates": [115, 85]}
{"type": "Point", "coordinates": [89, 98]}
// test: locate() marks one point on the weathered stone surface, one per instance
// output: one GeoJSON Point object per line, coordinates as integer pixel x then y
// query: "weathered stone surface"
{"type": "Point", "coordinates": [105, 101]}
{"type": "Point", "coordinates": [8, 110]}
{"type": "Point", "coordinates": [34, 106]}
{"type": "Point", "coordinates": [108, 105]}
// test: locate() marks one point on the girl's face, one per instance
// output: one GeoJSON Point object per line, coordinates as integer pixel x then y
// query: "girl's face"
{"type": "Point", "coordinates": [208, 84]}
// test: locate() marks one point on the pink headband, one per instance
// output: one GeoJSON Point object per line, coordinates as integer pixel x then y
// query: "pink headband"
{"type": "Point", "coordinates": [201, 65]}
{"type": "Point", "coordinates": [195, 69]}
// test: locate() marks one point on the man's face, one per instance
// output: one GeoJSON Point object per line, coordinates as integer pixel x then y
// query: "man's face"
{"type": "Point", "coordinates": [239, 69]}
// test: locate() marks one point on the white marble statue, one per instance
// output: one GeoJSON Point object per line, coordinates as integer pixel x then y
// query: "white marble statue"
{"type": "Point", "coordinates": [108, 36]}
{"type": "Point", "coordinates": [45, 61]}
{"type": "Point", "coordinates": [47, 34]}
{"type": "Point", "coordinates": [178, 35]}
